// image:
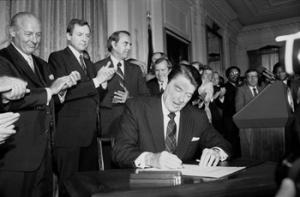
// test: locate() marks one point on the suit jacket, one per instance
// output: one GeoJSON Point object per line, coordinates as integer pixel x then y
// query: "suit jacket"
{"type": "Point", "coordinates": [243, 96]}
{"type": "Point", "coordinates": [133, 81]}
{"type": "Point", "coordinates": [25, 150]}
{"type": "Point", "coordinates": [141, 129]}
{"type": "Point", "coordinates": [135, 84]}
{"type": "Point", "coordinates": [228, 105]}
{"type": "Point", "coordinates": [153, 86]}
{"type": "Point", "coordinates": [76, 118]}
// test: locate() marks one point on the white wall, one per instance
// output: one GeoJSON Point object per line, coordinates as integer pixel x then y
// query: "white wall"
{"type": "Point", "coordinates": [186, 18]}
{"type": "Point", "coordinates": [256, 36]}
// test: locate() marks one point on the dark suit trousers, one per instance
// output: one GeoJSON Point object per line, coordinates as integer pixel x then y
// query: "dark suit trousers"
{"type": "Point", "coordinates": [110, 118]}
{"type": "Point", "coordinates": [232, 135]}
{"type": "Point", "coordinates": [28, 184]}
{"type": "Point", "coordinates": [70, 160]}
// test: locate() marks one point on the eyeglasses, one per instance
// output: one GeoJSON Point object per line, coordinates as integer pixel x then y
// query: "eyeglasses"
{"type": "Point", "coordinates": [234, 73]}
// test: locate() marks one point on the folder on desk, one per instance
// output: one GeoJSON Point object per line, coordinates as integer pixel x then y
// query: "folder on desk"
{"type": "Point", "coordinates": [155, 178]}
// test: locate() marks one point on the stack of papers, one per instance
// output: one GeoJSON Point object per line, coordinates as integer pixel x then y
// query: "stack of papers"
{"type": "Point", "coordinates": [196, 170]}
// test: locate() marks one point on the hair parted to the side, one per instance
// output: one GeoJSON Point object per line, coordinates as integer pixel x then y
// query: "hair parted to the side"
{"type": "Point", "coordinates": [76, 21]}
{"type": "Point", "coordinates": [115, 37]}
{"type": "Point", "coordinates": [15, 19]}
{"type": "Point", "coordinates": [189, 72]}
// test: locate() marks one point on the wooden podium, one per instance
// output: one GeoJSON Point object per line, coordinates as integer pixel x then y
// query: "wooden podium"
{"type": "Point", "coordinates": [262, 124]}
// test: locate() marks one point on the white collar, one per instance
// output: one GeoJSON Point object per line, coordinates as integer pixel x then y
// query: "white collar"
{"type": "Point", "coordinates": [165, 110]}
{"type": "Point", "coordinates": [75, 52]}
{"type": "Point", "coordinates": [24, 55]}
{"type": "Point", "coordinates": [115, 61]}
{"type": "Point", "coordinates": [251, 87]}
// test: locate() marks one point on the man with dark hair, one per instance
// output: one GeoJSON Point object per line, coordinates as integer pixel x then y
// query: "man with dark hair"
{"type": "Point", "coordinates": [248, 91]}
{"type": "Point", "coordinates": [155, 56]}
{"type": "Point", "coordinates": [164, 131]}
{"type": "Point", "coordinates": [231, 132]}
{"type": "Point", "coordinates": [127, 82]}
{"type": "Point", "coordinates": [77, 119]}
{"type": "Point", "coordinates": [162, 68]}
{"type": "Point", "coordinates": [25, 158]}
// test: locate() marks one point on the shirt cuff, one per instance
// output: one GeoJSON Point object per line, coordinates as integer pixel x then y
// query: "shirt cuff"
{"type": "Point", "coordinates": [221, 152]}
{"type": "Point", "coordinates": [221, 99]}
{"type": "Point", "coordinates": [49, 95]}
{"type": "Point", "coordinates": [62, 95]}
{"type": "Point", "coordinates": [104, 85]}
{"type": "Point", "coordinates": [96, 83]}
{"type": "Point", "coordinates": [140, 161]}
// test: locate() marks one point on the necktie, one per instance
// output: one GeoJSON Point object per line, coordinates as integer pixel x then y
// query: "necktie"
{"type": "Point", "coordinates": [30, 62]}
{"type": "Point", "coordinates": [255, 92]}
{"type": "Point", "coordinates": [120, 72]}
{"type": "Point", "coordinates": [82, 63]}
{"type": "Point", "coordinates": [170, 141]}
{"type": "Point", "coordinates": [161, 89]}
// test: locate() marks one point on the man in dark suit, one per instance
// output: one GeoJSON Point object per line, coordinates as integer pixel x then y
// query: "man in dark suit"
{"type": "Point", "coordinates": [163, 131]}
{"type": "Point", "coordinates": [128, 82]}
{"type": "Point", "coordinates": [25, 160]}
{"type": "Point", "coordinates": [162, 68]}
{"type": "Point", "coordinates": [248, 91]}
{"type": "Point", "coordinates": [227, 104]}
{"type": "Point", "coordinates": [77, 121]}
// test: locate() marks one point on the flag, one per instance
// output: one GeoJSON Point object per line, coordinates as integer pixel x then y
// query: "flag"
{"type": "Point", "coordinates": [150, 46]}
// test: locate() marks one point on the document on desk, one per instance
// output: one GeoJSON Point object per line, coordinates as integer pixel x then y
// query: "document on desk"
{"type": "Point", "coordinates": [197, 171]}
{"type": "Point", "coordinates": [210, 172]}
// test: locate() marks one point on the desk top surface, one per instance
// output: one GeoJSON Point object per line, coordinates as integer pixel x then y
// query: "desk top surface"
{"type": "Point", "coordinates": [256, 180]}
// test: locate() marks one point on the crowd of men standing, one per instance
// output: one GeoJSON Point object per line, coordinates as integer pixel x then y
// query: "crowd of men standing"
{"type": "Point", "coordinates": [52, 113]}
{"type": "Point", "coordinates": [56, 105]}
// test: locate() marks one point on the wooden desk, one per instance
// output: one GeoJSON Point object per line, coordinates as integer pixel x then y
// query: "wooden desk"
{"type": "Point", "coordinates": [254, 181]}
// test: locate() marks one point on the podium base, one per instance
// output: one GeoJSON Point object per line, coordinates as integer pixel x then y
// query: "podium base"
{"type": "Point", "coordinates": [263, 143]}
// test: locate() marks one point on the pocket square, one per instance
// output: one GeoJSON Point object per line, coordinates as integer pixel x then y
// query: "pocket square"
{"type": "Point", "coordinates": [195, 139]}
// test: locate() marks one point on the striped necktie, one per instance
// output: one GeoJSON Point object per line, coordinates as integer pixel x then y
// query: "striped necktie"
{"type": "Point", "coordinates": [82, 63]}
{"type": "Point", "coordinates": [170, 142]}
{"type": "Point", "coordinates": [120, 72]}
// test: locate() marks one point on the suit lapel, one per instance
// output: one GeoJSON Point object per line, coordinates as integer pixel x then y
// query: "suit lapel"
{"type": "Point", "coordinates": [21, 64]}
{"type": "Point", "coordinates": [155, 117]}
{"type": "Point", "coordinates": [249, 92]}
{"type": "Point", "coordinates": [185, 132]}
{"type": "Point", "coordinates": [38, 71]}
{"type": "Point", "coordinates": [73, 62]}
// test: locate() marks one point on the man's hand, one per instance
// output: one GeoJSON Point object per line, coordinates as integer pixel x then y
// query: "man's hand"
{"type": "Point", "coordinates": [6, 125]}
{"type": "Point", "coordinates": [59, 84]}
{"type": "Point", "coordinates": [105, 73]}
{"type": "Point", "coordinates": [74, 77]}
{"type": "Point", "coordinates": [163, 160]}
{"type": "Point", "coordinates": [121, 96]}
{"type": "Point", "coordinates": [209, 157]}
{"type": "Point", "coordinates": [13, 88]}
{"type": "Point", "coordinates": [287, 188]}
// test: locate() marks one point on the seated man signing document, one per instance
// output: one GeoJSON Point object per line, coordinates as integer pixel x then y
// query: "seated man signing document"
{"type": "Point", "coordinates": [164, 132]}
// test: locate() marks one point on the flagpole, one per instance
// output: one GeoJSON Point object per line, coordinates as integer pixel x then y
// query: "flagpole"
{"type": "Point", "coordinates": [150, 44]}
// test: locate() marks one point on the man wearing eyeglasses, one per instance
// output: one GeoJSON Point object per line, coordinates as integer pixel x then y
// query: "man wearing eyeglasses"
{"type": "Point", "coordinates": [248, 91]}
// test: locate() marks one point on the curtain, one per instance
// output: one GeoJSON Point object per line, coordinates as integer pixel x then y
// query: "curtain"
{"type": "Point", "coordinates": [54, 16]}
{"type": "Point", "coordinates": [268, 60]}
